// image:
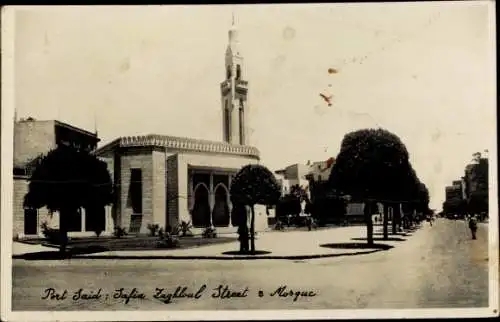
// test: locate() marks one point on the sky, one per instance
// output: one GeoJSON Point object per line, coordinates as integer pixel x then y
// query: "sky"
{"type": "Point", "coordinates": [424, 71]}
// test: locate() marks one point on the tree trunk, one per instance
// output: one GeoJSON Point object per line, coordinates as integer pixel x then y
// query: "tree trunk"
{"type": "Point", "coordinates": [396, 218]}
{"type": "Point", "coordinates": [386, 221]}
{"type": "Point", "coordinates": [241, 214]}
{"type": "Point", "coordinates": [64, 217]}
{"type": "Point", "coordinates": [395, 213]}
{"type": "Point", "coordinates": [369, 223]}
{"type": "Point", "coordinates": [252, 231]}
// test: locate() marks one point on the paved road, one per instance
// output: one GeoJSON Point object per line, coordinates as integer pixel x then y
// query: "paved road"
{"type": "Point", "coordinates": [437, 266]}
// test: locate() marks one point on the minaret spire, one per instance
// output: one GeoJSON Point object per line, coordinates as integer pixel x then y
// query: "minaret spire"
{"type": "Point", "coordinates": [95, 121]}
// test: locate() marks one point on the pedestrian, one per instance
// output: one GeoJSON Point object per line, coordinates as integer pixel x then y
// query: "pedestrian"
{"type": "Point", "coordinates": [473, 226]}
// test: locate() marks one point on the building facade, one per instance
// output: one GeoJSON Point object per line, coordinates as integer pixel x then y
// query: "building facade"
{"type": "Point", "coordinates": [475, 179]}
{"type": "Point", "coordinates": [165, 180]}
{"type": "Point", "coordinates": [293, 175]}
{"type": "Point", "coordinates": [32, 140]}
{"type": "Point", "coordinates": [456, 191]}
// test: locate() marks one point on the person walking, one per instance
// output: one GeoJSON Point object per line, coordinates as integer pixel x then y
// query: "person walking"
{"type": "Point", "coordinates": [473, 226]}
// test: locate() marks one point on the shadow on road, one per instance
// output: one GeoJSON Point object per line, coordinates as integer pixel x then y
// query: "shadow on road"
{"type": "Point", "coordinates": [380, 239]}
{"type": "Point", "coordinates": [54, 255]}
{"type": "Point", "coordinates": [357, 246]}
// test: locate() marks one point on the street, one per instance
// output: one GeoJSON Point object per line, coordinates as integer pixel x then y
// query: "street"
{"type": "Point", "coordinates": [435, 267]}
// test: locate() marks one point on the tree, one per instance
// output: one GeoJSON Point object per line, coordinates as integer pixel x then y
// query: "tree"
{"type": "Point", "coordinates": [66, 180]}
{"type": "Point", "coordinates": [254, 184]}
{"type": "Point", "coordinates": [371, 166]}
{"type": "Point", "coordinates": [409, 193]}
{"type": "Point", "coordinates": [325, 205]}
{"type": "Point", "coordinates": [287, 205]}
{"type": "Point", "coordinates": [422, 204]}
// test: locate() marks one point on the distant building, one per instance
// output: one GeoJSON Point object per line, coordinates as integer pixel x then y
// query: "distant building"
{"type": "Point", "coordinates": [283, 182]}
{"type": "Point", "coordinates": [476, 180]}
{"type": "Point", "coordinates": [476, 184]}
{"type": "Point", "coordinates": [320, 170]}
{"type": "Point", "coordinates": [453, 192]}
{"type": "Point", "coordinates": [292, 175]}
{"type": "Point", "coordinates": [318, 175]}
{"type": "Point", "coordinates": [355, 211]}
{"type": "Point", "coordinates": [32, 140]}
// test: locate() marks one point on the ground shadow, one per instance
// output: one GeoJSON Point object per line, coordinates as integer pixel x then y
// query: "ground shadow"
{"type": "Point", "coordinates": [236, 253]}
{"type": "Point", "coordinates": [380, 239]}
{"type": "Point", "coordinates": [357, 246]}
{"type": "Point", "coordinates": [55, 254]}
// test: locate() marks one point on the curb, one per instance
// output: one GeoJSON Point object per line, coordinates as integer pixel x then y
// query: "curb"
{"type": "Point", "coordinates": [243, 257]}
{"type": "Point", "coordinates": [187, 257]}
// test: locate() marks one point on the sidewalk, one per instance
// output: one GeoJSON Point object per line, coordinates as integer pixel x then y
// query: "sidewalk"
{"type": "Point", "coordinates": [275, 244]}
{"type": "Point", "coordinates": [280, 245]}
{"type": "Point", "coordinates": [22, 248]}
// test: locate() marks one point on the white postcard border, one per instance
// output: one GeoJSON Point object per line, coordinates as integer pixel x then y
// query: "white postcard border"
{"type": "Point", "coordinates": [8, 49]}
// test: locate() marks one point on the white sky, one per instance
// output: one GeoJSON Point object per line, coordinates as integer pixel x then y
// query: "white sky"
{"type": "Point", "coordinates": [428, 75]}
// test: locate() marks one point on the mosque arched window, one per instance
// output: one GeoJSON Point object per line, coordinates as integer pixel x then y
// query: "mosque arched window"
{"type": "Point", "coordinates": [228, 72]}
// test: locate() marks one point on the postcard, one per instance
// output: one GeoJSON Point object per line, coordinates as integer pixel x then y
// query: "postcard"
{"type": "Point", "coordinates": [248, 162]}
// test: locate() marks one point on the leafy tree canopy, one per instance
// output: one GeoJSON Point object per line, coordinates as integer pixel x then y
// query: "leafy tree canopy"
{"type": "Point", "coordinates": [255, 184]}
{"type": "Point", "coordinates": [68, 179]}
{"type": "Point", "coordinates": [372, 163]}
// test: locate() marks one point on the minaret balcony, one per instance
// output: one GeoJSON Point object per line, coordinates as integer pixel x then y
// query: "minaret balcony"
{"type": "Point", "coordinates": [241, 83]}
{"type": "Point", "coordinates": [242, 90]}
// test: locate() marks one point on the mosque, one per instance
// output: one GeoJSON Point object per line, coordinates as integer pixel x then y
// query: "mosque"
{"type": "Point", "coordinates": [165, 180]}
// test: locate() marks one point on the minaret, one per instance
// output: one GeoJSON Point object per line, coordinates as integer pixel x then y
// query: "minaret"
{"type": "Point", "coordinates": [234, 92]}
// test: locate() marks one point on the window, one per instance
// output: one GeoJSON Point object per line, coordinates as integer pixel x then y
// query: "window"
{"type": "Point", "coordinates": [227, 122]}
{"type": "Point", "coordinates": [238, 72]}
{"type": "Point", "coordinates": [242, 125]}
{"type": "Point", "coordinates": [228, 72]}
{"type": "Point", "coordinates": [136, 190]}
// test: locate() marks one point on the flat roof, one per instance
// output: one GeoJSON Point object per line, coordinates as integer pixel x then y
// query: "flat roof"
{"type": "Point", "coordinates": [182, 144]}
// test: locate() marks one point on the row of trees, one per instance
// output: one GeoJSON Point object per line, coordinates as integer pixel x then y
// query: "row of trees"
{"type": "Point", "coordinates": [372, 167]}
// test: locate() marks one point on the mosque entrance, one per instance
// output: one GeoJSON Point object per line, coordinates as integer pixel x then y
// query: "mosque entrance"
{"type": "Point", "coordinates": [201, 209]}
{"type": "Point", "coordinates": [220, 214]}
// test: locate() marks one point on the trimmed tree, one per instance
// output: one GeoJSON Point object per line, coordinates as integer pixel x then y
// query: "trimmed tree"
{"type": "Point", "coordinates": [66, 180]}
{"type": "Point", "coordinates": [370, 167]}
{"type": "Point", "coordinates": [407, 194]}
{"type": "Point", "coordinates": [254, 184]}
